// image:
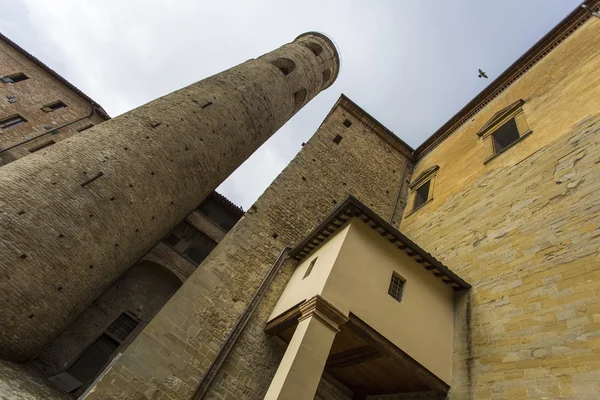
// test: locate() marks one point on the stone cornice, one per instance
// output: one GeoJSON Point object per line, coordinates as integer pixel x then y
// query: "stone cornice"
{"type": "Point", "coordinates": [324, 311]}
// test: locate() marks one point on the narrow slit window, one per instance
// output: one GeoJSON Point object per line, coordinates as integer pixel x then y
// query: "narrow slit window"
{"type": "Point", "coordinates": [12, 121]}
{"type": "Point", "coordinates": [422, 195]}
{"type": "Point", "coordinates": [506, 135]}
{"type": "Point", "coordinates": [85, 127]}
{"type": "Point", "coordinates": [310, 267]}
{"type": "Point", "coordinates": [57, 105]}
{"type": "Point", "coordinates": [396, 288]}
{"type": "Point", "coordinates": [14, 78]}
{"type": "Point", "coordinates": [42, 146]}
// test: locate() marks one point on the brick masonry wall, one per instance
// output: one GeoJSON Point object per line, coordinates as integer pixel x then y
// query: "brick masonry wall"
{"type": "Point", "coordinates": [158, 162]}
{"type": "Point", "coordinates": [524, 230]}
{"type": "Point", "coordinates": [169, 357]}
{"type": "Point", "coordinates": [29, 97]}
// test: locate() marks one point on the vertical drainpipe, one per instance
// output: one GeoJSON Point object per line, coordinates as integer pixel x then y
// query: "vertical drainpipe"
{"type": "Point", "coordinates": [399, 192]}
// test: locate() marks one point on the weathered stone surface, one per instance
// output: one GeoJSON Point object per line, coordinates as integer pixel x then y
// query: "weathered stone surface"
{"type": "Point", "coordinates": [153, 166]}
{"type": "Point", "coordinates": [524, 230]}
{"type": "Point", "coordinates": [27, 98]}
{"type": "Point", "coordinates": [18, 382]}
{"type": "Point", "coordinates": [194, 323]}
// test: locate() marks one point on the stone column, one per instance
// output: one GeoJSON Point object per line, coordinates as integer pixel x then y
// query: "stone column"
{"type": "Point", "coordinates": [301, 368]}
{"type": "Point", "coordinates": [75, 216]}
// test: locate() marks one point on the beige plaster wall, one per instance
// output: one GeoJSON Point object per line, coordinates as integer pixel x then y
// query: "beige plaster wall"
{"type": "Point", "coordinates": [421, 324]}
{"type": "Point", "coordinates": [300, 288]}
{"type": "Point", "coordinates": [353, 272]}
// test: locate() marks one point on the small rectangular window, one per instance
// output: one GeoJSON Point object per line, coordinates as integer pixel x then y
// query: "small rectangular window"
{"type": "Point", "coordinates": [85, 127]}
{"type": "Point", "coordinates": [422, 195]}
{"type": "Point", "coordinates": [14, 78]}
{"type": "Point", "coordinates": [347, 123]}
{"type": "Point", "coordinates": [42, 146]}
{"type": "Point", "coordinates": [337, 139]}
{"type": "Point", "coordinates": [57, 105]}
{"type": "Point", "coordinates": [505, 135]}
{"type": "Point", "coordinates": [122, 327]}
{"type": "Point", "coordinates": [310, 267]}
{"type": "Point", "coordinates": [396, 286]}
{"type": "Point", "coordinates": [12, 121]}
{"type": "Point", "coordinates": [172, 240]}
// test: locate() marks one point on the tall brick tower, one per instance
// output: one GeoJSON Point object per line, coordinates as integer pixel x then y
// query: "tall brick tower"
{"type": "Point", "coordinates": [74, 216]}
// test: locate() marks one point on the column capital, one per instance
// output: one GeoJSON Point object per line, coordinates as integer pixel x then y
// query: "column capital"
{"type": "Point", "coordinates": [324, 311]}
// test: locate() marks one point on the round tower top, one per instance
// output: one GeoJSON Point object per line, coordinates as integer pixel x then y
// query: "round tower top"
{"type": "Point", "coordinates": [317, 42]}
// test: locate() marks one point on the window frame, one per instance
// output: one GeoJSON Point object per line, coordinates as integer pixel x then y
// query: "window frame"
{"type": "Point", "coordinates": [21, 76]}
{"type": "Point", "coordinates": [54, 106]}
{"type": "Point", "coordinates": [397, 276]}
{"type": "Point", "coordinates": [11, 117]}
{"type": "Point", "coordinates": [514, 112]}
{"type": "Point", "coordinates": [428, 175]}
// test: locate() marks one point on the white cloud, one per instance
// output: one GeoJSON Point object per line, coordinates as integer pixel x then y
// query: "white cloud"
{"type": "Point", "coordinates": [411, 64]}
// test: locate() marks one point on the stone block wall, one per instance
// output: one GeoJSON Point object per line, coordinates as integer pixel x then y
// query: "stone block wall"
{"type": "Point", "coordinates": [103, 199]}
{"type": "Point", "coordinates": [524, 230]}
{"type": "Point", "coordinates": [170, 356]}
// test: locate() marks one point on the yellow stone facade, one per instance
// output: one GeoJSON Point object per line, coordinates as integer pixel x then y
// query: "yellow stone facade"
{"type": "Point", "coordinates": [524, 230]}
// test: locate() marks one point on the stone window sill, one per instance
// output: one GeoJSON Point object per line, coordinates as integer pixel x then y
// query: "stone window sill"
{"type": "Point", "coordinates": [414, 210]}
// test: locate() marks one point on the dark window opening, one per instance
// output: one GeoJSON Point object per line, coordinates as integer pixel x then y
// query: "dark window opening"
{"type": "Point", "coordinates": [172, 240]}
{"type": "Point", "coordinates": [190, 242]}
{"type": "Point", "coordinates": [218, 214]}
{"type": "Point", "coordinates": [14, 78]}
{"type": "Point", "coordinates": [506, 135]}
{"type": "Point", "coordinates": [337, 139]}
{"type": "Point", "coordinates": [314, 47]}
{"type": "Point", "coordinates": [91, 362]}
{"type": "Point", "coordinates": [85, 127]}
{"type": "Point", "coordinates": [94, 358]}
{"type": "Point", "coordinates": [122, 327]}
{"type": "Point", "coordinates": [299, 98]}
{"type": "Point", "coordinates": [57, 105]}
{"type": "Point", "coordinates": [326, 75]}
{"type": "Point", "coordinates": [42, 146]}
{"type": "Point", "coordinates": [422, 195]}
{"type": "Point", "coordinates": [12, 121]}
{"type": "Point", "coordinates": [310, 267]}
{"type": "Point", "coordinates": [396, 288]}
{"type": "Point", "coordinates": [285, 65]}
{"type": "Point", "coordinates": [347, 123]}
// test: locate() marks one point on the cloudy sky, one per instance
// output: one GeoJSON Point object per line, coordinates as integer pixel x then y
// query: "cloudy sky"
{"type": "Point", "coordinates": [411, 64]}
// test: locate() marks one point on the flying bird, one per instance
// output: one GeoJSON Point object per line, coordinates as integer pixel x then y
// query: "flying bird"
{"type": "Point", "coordinates": [482, 74]}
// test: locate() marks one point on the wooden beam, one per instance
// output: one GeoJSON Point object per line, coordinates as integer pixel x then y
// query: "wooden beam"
{"type": "Point", "coordinates": [387, 348]}
{"type": "Point", "coordinates": [352, 356]}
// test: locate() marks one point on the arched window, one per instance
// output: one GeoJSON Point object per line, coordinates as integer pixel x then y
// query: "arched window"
{"type": "Point", "coordinates": [326, 76]}
{"type": "Point", "coordinates": [299, 98]}
{"type": "Point", "coordinates": [285, 65]}
{"type": "Point", "coordinates": [314, 47]}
